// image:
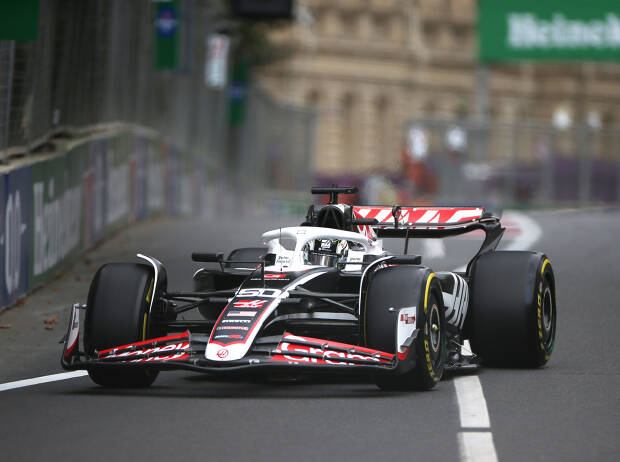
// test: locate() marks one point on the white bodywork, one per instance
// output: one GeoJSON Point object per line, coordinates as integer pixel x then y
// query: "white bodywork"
{"type": "Point", "coordinates": [292, 259]}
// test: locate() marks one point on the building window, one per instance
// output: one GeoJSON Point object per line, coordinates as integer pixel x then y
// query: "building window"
{"type": "Point", "coordinates": [350, 25]}
{"type": "Point", "coordinates": [313, 98]}
{"type": "Point", "coordinates": [349, 129]}
{"type": "Point", "coordinates": [382, 124]}
{"type": "Point", "coordinates": [381, 26]}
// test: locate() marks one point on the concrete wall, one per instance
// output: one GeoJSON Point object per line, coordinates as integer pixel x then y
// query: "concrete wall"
{"type": "Point", "coordinates": [54, 208]}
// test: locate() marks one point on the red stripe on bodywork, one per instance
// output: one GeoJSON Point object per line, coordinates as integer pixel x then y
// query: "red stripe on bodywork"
{"type": "Point", "coordinates": [337, 344]}
{"type": "Point", "coordinates": [290, 351]}
{"type": "Point", "coordinates": [146, 342]}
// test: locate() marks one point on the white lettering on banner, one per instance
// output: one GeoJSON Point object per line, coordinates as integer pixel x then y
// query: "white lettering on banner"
{"type": "Point", "coordinates": [56, 225]}
{"type": "Point", "coordinates": [118, 192]}
{"type": "Point", "coordinates": [12, 241]}
{"type": "Point", "coordinates": [525, 30]}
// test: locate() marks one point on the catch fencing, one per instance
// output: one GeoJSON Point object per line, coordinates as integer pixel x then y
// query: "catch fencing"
{"type": "Point", "coordinates": [514, 164]}
{"type": "Point", "coordinates": [56, 207]}
{"type": "Point", "coordinates": [94, 64]}
{"type": "Point", "coordinates": [94, 137]}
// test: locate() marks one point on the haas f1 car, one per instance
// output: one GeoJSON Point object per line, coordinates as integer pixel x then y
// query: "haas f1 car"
{"type": "Point", "coordinates": [324, 297]}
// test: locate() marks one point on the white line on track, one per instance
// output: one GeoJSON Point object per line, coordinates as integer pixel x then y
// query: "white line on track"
{"type": "Point", "coordinates": [472, 405]}
{"type": "Point", "coordinates": [473, 413]}
{"type": "Point", "coordinates": [530, 232]}
{"type": "Point", "coordinates": [477, 447]}
{"type": "Point", "coordinates": [42, 379]}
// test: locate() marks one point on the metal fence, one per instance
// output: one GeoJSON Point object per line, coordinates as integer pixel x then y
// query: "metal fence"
{"type": "Point", "coordinates": [516, 163]}
{"type": "Point", "coordinates": [277, 146]}
{"type": "Point", "coordinates": [93, 64]}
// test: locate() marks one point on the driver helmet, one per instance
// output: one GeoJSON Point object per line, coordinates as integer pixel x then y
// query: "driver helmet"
{"type": "Point", "coordinates": [326, 252]}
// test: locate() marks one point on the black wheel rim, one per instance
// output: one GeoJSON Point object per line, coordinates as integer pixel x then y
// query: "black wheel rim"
{"type": "Point", "coordinates": [433, 331]}
{"type": "Point", "coordinates": [548, 317]}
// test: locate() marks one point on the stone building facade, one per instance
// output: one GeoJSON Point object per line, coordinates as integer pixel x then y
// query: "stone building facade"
{"type": "Point", "coordinates": [370, 67]}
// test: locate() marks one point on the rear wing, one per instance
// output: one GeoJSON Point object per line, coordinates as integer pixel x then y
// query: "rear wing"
{"type": "Point", "coordinates": [376, 221]}
{"type": "Point", "coordinates": [405, 221]}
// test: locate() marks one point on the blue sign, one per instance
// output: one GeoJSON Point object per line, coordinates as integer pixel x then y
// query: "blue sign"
{"type": "Point", "coordinates": [15, 223]}
{"type": "Point", "coordinates": [166, 22]}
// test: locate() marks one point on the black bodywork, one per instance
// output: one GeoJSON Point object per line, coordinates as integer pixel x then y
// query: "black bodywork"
{"type": "Point", "coordinates": [326, 307]}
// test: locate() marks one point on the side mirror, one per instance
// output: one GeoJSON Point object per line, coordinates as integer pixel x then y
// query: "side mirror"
{"type": "Point", "coordinates": [208, 257]}
{"type": "Point", "coordinates": [270, 259]}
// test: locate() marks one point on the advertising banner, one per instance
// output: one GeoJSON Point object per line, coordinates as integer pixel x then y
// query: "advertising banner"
{"type": "Point", "coordinates": [117, 183]}
{"type": "Point", "coordinates": [15, 235]}
{"type": "Point", "coordinates": [166, 14]}
{"type": "Point", "coordinates": [53, 210]}
{"type": "Point", "coordinates": [20, 20]}
{"type": "Point", "coordinates": [548, 30]}
{"type": "Point", "coordinates": [56, 217]}
{"type": "Point", "coordinates": [216, 67]}
{"type": "Point", "coordinates": [138, 173]}
{"type": "Point", "coordinates": [94, 179]}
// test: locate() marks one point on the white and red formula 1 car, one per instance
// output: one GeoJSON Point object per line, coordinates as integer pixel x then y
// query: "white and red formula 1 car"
{"type": "Point", "coordinates": [324, 297]}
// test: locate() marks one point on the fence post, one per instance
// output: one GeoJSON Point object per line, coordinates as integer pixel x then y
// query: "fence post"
{"type": "Point", "coordinates": [514, 162]}
{"type": "Point", "coordinates": [9, 88]}
{"type": "Point", "coordinates": [617, 140]}
{"type": "Point", "coordinates": [585, 164]}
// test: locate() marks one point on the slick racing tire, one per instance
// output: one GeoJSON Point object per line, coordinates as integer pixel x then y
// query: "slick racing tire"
{"type": "Point", "coordinates": [512, 317]}
{"type": "Point", "coordinates": [399, 287]}
{"type": "Point", "coordinates": [245, 254]}
{"type": "Point", "coordinates": [117, 314]}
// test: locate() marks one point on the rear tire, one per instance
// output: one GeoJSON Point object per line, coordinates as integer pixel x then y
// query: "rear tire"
{"type": "Point", "coordinates": [117, 314]}
{"type": "Point", "coordinates": [512, 319]}
{"type": "Point", "coordinates": [399, 287]}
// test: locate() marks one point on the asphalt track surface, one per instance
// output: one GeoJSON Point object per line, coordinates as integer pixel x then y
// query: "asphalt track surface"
{"type": "Point", "coordinates": [567, 410]}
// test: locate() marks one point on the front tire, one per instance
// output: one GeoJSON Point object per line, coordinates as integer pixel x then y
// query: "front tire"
{"type": "Point", "coordinates": [117, 314]}
{"type": "Point", "coordinates": [399, 287]}
{"type": "Point", "coordinates": [512, 319]}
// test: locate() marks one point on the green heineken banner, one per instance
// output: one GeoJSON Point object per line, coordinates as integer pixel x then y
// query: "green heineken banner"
{"type": "Point", "coordinates": [19, 20]}
{"type": "Point", "coordinates": [548, 30]}
{"type": "Point", "coordinates": [166, 22]}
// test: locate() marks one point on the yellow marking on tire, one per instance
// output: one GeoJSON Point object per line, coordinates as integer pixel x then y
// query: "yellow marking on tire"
{"type": "Point", "coordinates": [144, 327]}
{"type": "Point", "coordinates": [542, 270]}
{"type": "Point", "coordinates": [149, 294]}
{"type": "Point", "coordinates": [428, 286]}
{"type": "Point", "coordinates": [429, 364]}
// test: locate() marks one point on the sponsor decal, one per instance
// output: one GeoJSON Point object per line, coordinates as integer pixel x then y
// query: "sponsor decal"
{"type": "Point", "coordinates": [406, 318]}
{"type": "Point", "coordinates": [221, 336]}
{"type": "Point", "coordinates": [232, 327]}
{"type": "Point", "coordinates": [56, 223]}
{"type": "Point", "coordinates": [406, 326]}
{"type": "Point", "coordinates": [270, 293]}
{"type": "Point", "coordinates": [411, 215]}
{"type": "Point", "coordinates": [282, 260]}
{"type": "Point", "coordinates": [238, 321]}
{"type": "Point", "coordinates": [222, 353]}
{"type": "Point", "coordinates": [288, 353]}
{"type": "Point", "coordinates": [174, 347]}
{"type": "Point", "coordinates": [242, 313]}
{"type": "Point", "coordinates": [249, 303]}
{"type": "Point", "coordinates": [275, 276]}
{"type": "Point", "coordinates": [429, 365]}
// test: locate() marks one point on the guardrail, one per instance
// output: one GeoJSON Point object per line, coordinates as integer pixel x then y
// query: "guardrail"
{"type": "Point", "coordinates": [55, 207]}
